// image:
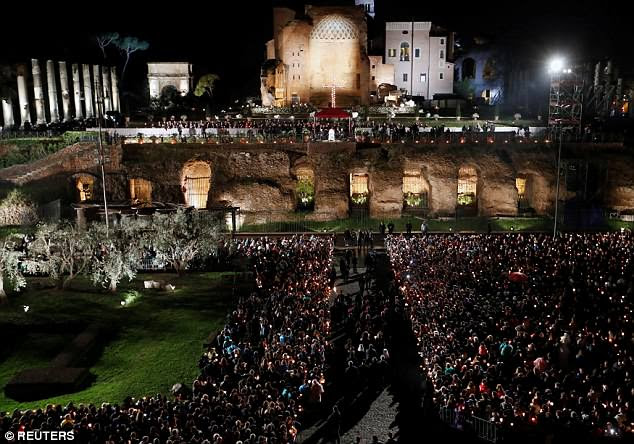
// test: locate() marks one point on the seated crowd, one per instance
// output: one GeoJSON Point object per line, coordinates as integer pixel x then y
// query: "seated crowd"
{"type": "Point", "coordinates": [264, 369]}
{"type": "Point", "coordinates": [523, 329]}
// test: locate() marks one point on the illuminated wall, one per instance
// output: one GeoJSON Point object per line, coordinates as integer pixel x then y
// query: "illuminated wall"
{"type": "Point", "coordinates": [196, 182]}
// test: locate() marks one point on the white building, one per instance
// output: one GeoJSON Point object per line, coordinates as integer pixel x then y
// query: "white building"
{"type": "Point", "coordinates": [368, 6]}
{"type": "Point", "coordinates": [420, 60]}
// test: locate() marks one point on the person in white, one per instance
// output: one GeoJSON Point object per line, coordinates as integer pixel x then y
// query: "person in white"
{"type": "Point", "coordinates": [331, 135]}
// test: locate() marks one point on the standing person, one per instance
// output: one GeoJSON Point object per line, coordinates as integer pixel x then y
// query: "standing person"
{"type": "Point", "coordinates": [489, 227]}
{"type": "Point", "coordinates": [423, 227]}
{"type": "Point", "coordinates": [390, 227]}
{"type": "Point", "coordinates": [408, 227]}
{"type": "Point", "coordinates": [382, 228]}
{"type": "Point", "coordinates": [334, 426]}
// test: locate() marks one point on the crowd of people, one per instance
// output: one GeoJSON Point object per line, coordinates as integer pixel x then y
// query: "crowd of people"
{"type": "Point", "coordinates": [264, 370]}
{"type": "Point", "coordinates": [524, 329]}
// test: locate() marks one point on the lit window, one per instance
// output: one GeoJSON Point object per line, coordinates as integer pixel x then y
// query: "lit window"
{"type": "Point", "coordinates": [404, 52]}
{"type": "Point", "coordinates": [520, 184]}
{"type": "Point", "coordinates": [391, 52]}
{"type": "Point", "coordinates": [423, 77]}
{"type": "Point", "coordinates": [417, 52]}
{"type": "Point", "coordinates": [404, 77]}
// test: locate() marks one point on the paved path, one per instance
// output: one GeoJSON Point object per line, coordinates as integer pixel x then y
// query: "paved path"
{"type": "Point", "coordinates": [379, 421]}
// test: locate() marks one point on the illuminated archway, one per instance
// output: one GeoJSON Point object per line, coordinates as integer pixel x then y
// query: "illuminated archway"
{"type": "Point", "coordinates": [415, 190]}
{"type": "Point", "coordinates": [85, 186]}
{"type": "Point", "coordinates": [305, 188]}
{"type": "Point", "coordinates": [359, 189]}
{"type": "Point", "coordinates": [141, 190]}
{"type": "Point", "coordinates": [467, 189]}
{"type": "Point", "coordinates": [195, 183]}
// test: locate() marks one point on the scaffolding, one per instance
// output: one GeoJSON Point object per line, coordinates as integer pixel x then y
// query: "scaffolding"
{"type": "Point", "coordinates": [566, 99]}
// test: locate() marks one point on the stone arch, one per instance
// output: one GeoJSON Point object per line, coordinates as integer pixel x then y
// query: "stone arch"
{"type": "Point", "coordinates": [416, 189]}
{"type": "Point", "coordinates": [304, 188]}
{"type": "Point", "coordinates": [467, 192]}
{"type": "Point", "coordinates": [359, 185]}
{"type": "Point", "coordinates": [140, 190]}
{"type": "Point", "coordinates": [533, 192]}
{"type": "Point", "coordinates": [84, 186]}
{"type": "Point", "coordinates": [469, 68]}
{"type": "Point", "coordinates": [196, 183]}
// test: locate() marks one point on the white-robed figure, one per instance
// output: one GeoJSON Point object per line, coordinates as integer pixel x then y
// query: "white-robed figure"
{"type": "Point", "coordinates": [331, 135]}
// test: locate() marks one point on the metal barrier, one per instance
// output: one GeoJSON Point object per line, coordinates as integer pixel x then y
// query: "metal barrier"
{"type": "Point", "coordinates": [459, 420]}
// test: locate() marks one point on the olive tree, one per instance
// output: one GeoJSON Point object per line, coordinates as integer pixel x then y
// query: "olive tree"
{"type": "Point", "coordinates": [66, 251]}
{"type": "Point", "coordinates": [9, 269]}
{"type": "Point", "coordinates": [183, 236]}
{"type": "Point", "coordinates": [117, 253]}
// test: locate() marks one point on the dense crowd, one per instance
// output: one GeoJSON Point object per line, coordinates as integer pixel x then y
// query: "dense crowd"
{"type": "Point", "coordinates": [524, 329]}
{"type": "Point", "coordinates": [262, 372]}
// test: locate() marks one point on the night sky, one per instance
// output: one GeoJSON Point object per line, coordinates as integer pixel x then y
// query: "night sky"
{"type": "Point", "coordinates": [228, 38]}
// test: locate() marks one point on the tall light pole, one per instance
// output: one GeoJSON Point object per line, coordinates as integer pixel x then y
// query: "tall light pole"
{"type": "Point", "coordinates": [101, 152]}
{"type": "Point", "coordinates": [556, 66]}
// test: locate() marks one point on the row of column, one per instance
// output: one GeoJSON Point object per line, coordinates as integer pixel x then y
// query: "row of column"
{"type": "Point", "coordinates": [99, 90]}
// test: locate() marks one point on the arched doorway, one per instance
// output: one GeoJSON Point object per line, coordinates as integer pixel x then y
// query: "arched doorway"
{"type": "Point", "coordinates": [467, 198]}
{"type": "Point", "coordinates": [415, 191]}
{"type": "Point", "coordinates": [85, 187]}
{"type": "Point", "coordinates": [359, 192]}
{"type": "Point", "coordinates": [305, 189]}
{"type": "Point", "coordinates": [196, 182]}
{"type": "Point", "coordinates": [141, 190]}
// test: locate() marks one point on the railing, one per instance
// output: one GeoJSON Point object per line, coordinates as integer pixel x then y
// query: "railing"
{"type": "Point", "coordinates": [457, 419]}
{"type": "Point", "coordinates": [423, 138]}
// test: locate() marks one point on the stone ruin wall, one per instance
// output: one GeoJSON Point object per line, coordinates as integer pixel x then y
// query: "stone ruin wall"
{"type": "Point", "coordinates": [261, 181]}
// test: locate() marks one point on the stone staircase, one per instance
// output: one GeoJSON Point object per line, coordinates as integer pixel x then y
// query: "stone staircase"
{"type": "Point", "coordinates": [72, 159]}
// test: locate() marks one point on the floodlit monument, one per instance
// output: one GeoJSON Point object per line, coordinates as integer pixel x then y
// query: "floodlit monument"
{"type": "Point", "coordinates": [169, 74]}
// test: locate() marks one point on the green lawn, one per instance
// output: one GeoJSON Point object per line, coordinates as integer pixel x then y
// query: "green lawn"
{"type": "Point", "coordinates": [158, 338]}
{"type": "Point", "coordinates": [462, 224]}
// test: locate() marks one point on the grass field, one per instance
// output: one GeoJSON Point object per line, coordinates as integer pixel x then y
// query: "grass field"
{"type": "Point", "coordinates": [462, 224]}
{"type": "Point", "coordinates": [158, 338]}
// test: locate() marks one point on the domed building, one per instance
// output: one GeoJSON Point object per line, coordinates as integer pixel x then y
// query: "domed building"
{"type": "Point", "coordinates": [312, 54]}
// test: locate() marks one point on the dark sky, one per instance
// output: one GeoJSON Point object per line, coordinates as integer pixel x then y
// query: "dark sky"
{"type": "Point", "coordinates": [228, 37]}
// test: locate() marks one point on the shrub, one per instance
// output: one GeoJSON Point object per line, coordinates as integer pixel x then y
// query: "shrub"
{"type": "Point", "coordinates": [17, 209]}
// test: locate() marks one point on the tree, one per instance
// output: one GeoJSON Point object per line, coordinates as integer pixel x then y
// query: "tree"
{"type": "Point", "coordinates": [181, 237]}
{"type": "Point", "coordinates": [117, 253]}
{"type": "Point", "coordinates": [129, 45]}
{"type": "Point", "coordinates": [9, 269]}
{"type": "Point", "coordinates": [106, 39]}
{"type": "Point", "coordinates": [66, 249]}
{"type": "Point", "coordinates": [205, 87]}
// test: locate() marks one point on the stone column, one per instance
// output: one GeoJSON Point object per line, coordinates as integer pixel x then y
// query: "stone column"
{"type": "Point", "coordinates": [107, 96]}
{"type": "Point", "coordinates": [96, 73]}
{"type": "Point", "coordinates": [63, 84]}
{"type": "Point", "coordinates": [52, 91]}
{"type": "Point", "coordinates": [39, 93]}
{"type": "Point", "coordinates": [23, 97]}
{"type": "Point", "coordinates": [88, 92]}
{"type": "Point", "coordinates": [7, 112]}
{"type": "Point", "coordinates": [77, 91]}
{"type": "Point", "coordinates": [115, 89]}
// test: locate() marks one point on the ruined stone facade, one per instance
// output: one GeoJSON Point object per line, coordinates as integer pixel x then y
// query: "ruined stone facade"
{"type": "Point", "coordinates": [262, 179]}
